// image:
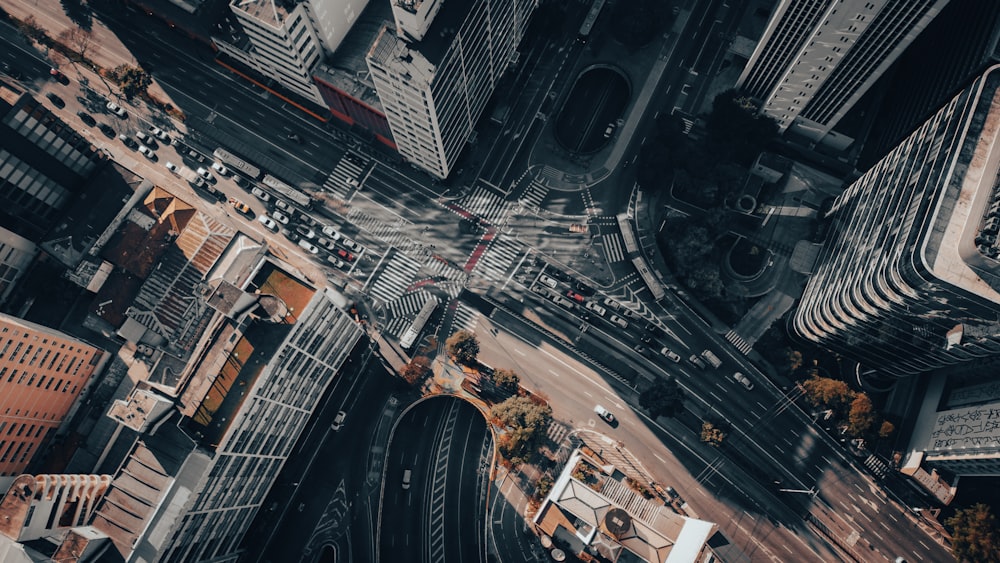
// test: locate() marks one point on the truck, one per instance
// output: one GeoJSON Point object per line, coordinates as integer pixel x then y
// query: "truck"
{"type": "Point", "coordinates": [711, 358]}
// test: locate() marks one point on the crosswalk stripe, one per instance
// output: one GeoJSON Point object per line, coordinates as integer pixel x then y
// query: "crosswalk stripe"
{"type": "Point", "coordinates": [485, 204]}
{"type": "Point", "coordinates": [343, 179]}
{"type": "Point", "coordinates": [534, 195]}
{"type": "Point", "coordinates": [497, 259]}
{"type": "Point", "coordinates": [613, 248]}
{"type": "Point", "coordinates": [398, 273]}
{"type": "Point", "coordinates": [466, 318]}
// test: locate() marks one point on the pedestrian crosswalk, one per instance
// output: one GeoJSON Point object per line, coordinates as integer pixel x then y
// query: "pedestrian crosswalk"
{"type": "Point", "coordinates": [878, 467]}
{"type": "Point", "coordinates": [556, 431]}
{"type": "Point", "coordinates": [736, 340]}
{"type": "Point", "coordinates": [485, 204]}
{"type": "Point", "coordinates": [466, 318]}
{"type": "Point", "coordinates": [534, 195]}
{"type": "Point", "coordinates": [408, 304]}
{"type": "Point", "coordinates": [613, 248]}
{"type": "Point", "coordinates": [495, 262]}
{"type": "Point", "coordinates": [345, 178]}
{"type": "Point", "coordinates": [397, 274]}
{"type": "Point", "coordinates": [394, 234]}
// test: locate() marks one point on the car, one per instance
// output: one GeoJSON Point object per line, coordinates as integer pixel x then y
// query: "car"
{"type": "Point", "coordinates": [351, 245]}
{"type": "Point", "coordinates": [268, 222]}
{"type": "Point", "coordinates": [171, 167]}
{"type": "Point", "coordinates": [743, 380]}
{"type": "Point", "coordinates": [302, 506]}
{"type": "Point", "coordinates": [294, 137]}
{"type": "Point", "coordinates": [107, 130]}
{"type": "Point", "coordinates": [128, 142]}
{"type": "Point", "coordinates": [331, 232]}
{"type": "Point", "coordinates": [309, 247]}
{"type": "Point", "coordinates": [673, 356]}
{"type": "Point", "coordinates": [327, 244]}
{"type": "Point", "coordinates": [260, 194]}
{"type": "Point", "coordinates": [406, 478]}
{"type": "Point", "coordinates": [177, 143]}
{"type": "Point", "coordinates": [541, 290]}
{"type": "Point", "coordinates": [292, 236]}
{"type": "Point", "coordinates": [640, 348]}
{"type": "Point", "coordinates": [280, 217]}
{"type": "Point", "coordinates": [240, 206]}
{"type": "Point", "coordinates": [59, 76]}
{"type": "Point", "coordinates": [221, 169]}
{"type": "Point", "coordinates": [56, 100]}
{"type": "Point", "coordinates": [596, 308]}
{"type": "Point", "coordinates": [345, 255]}
{"type": "Point", "coordinates": [696, 360]}
{"type": "Point", "coordinates": [610, 130]}
{"type": "Point", "coordinates": [305, 231]}
{"type": "Point", "coordinates": [146, 140]}
{"type": "Point", "coordinates": [196, 156]}
{"type": "Point", "coordinates": [200, 183]}
{"type": "Point", "coordinates": [629, 313]}
{"type": "Point", "coordinates": [611, 304]}
{"type": "Point", "coordinates": [337, 262]}
{"type": "Point", "coordinates": [618, 321]}
{"type": "Point", "coordinates": [147, 152]}
{"type": "Point", "coordinates": [575, 296]}
{"type": "Point", "coordinates": [605, 414]}
{"type": "Point", "coordinates": [584, 289]}
{"type": "Point", "coordinates": [305, 218]}
{"type": "Point", "coordinates": [159, 133]}
{"type": "Point", "coordinates": [204, 173]}
{"type": "Point", "coordinates": [86, 118]}
{"type": "Point", "coordinates": [117, 110]}
{"type": "Point", "coordinates": [282, 205]}
{"type": "Point", "coordinates": [338, 421]}
{"type": "Point", "coordinates": [547, 281]}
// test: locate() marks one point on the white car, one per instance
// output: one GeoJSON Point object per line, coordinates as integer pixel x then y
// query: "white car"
{"type": "Point", "coordinates": [337, 262]}
{"type": "Point", "coordinates": [351, 244]}
{"type": "Point", "coordinates": [172, 167]}
{"type": "Point", "coordinates": [670, 354]}
{"type": "Point", "coordinates": [743, 380]}
{"type": "Point", "coordinates": [222, 170]}
{"type": "Point", "coordinates": [547, 281]}
{"type": "Point", "coordinates": [147, 152]}
{"type": "Point", "coordinates": [596, 308]}
{"type": "Point", "coordinates": [159, 134]}
{"type": "Point", "coordinates": [618, 321]}
{"type": "Point", "coordinates": [331, 232]}
{"type": "Point", "coordinates": [338, 421]}
{"type": "Point", "coordinates": [310, 247]}
{"type": "Point", "coordinates": [279, 217]}
{"type": "Point", "coordinates": [205, 174]}
{"type": "Point", "coordinates": [260, 194]}
{"type": "Point", "coordinates": [116, 109]}
{"type": "Point", "coordinates": [326, 243]}
{"type": "Point", "coordinates": [605, 414]}
{"type": "Point", "coordinates": [268, 222]}
{"type": "Point", "coordinates": [611, 303]}
{"type": "Point", "coordinates": [305, 231]}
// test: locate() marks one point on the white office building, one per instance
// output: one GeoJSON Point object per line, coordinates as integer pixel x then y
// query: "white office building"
{"type": "Point", "coordinates": [435, 72]}
{"type": "Point", "coordinates": [817, 58]}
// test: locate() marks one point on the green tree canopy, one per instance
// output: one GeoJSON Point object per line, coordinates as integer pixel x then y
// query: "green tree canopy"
{"type": "Point", "coordinates": [663, 398]}
{"type": "Point", "coordinates": [507, 380]}
{"type": "Point", "coordinates": [463, 347]}
{"type": "Point", "coordinates": [975, 535]}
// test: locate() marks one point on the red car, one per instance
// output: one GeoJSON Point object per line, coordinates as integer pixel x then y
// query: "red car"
{"type": "Point", "coordinates": [60, 77]}
{"type": "Point", "coordinates": [574, 296]}
{"type": "Point", "coordinates": [345, 255]}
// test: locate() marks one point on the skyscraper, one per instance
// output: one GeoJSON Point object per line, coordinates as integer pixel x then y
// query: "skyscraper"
{"type": "Point", "coordinates": [436, 71]}
{"type": "Point", "coordinates": [909, 278]}
{"type": "Point", "coordinates": [42, 372]}
{"type": "Point", "coordinates": [818, 57]}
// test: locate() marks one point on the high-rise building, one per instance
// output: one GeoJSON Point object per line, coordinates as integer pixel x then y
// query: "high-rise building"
{"type": "Point", "coordinates": [909, 278]}
{"type": "Point", "coordinates": [961, 42]}
{"type": "Point", "coordinates": [435, 72]}
{"type": "Point", "coordinates": [42, 372]}
{"type": "Point", "coordinates": [287, 39]}
{"type": "Point", "coordinates": [43, 164]}
{"type": "Point", "coordinates": [818, 57]}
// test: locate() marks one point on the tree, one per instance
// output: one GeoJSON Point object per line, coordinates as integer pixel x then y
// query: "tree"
{"type": "Point", "coordinates": [663, 398]}
{"type": "Point", "coordinates": [132, 80]}
{"type": "Point", "coordinates": [415, 371]}
{"type": "Point", "coordinates": [712, 434]}
{"type": "Point", "coordinates": [463, 347]}
{"type": "Point", "coordinates": [827, 393]}
{"type": "Point", "coordinates": [78, 41]}
{"type": "Point", "coordinates": [886, 429]}
{"type": "Point", "coordinates": [507, 380]}
{"type": "Point", "coordinates": [30, 28]}
{"type": "Point", "coordinates": [975, 535]}
{"type": "Point", "coordinates": [524, 421]}
{"type": "Point", "coordinates": [861, 418]}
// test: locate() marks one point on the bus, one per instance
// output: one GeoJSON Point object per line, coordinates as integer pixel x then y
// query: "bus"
{"type": "Point", "coordinates": [417, 326]}
{"type": "Point", "coordinates": [588, 22]}
{"type": "Point", "coordinates": [283, 189]}
{"type": "Point", "coordinates": [237, 163]}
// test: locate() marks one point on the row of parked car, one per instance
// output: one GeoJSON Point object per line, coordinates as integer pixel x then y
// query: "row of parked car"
{"type": "Point", "coordinates": [581, 294]}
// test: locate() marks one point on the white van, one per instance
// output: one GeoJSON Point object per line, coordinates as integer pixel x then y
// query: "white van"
{"type": "Point", "coordinates": [618, 321]}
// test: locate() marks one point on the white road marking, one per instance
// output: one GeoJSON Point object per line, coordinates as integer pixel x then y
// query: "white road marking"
{"type": "Point", "coordinates": [553, 373]}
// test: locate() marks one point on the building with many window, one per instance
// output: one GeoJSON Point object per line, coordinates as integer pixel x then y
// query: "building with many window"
{"type": "Point", "coordinates": [909, 278]}
{"type": "Point", "coordinates": [436, 70]}
{"type": "Point", "coordinates": [42, 372]}
{"type": "Point", "coordinates": [817, 58]}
